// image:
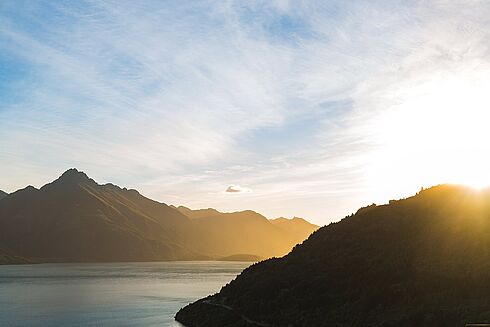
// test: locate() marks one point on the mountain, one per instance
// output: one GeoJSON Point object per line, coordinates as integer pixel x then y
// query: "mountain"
{"type": "Point", "coordinates": [199, 213]}
{"type": "Point", "coordinates": [298, 228]}
{"type": "Point", "coordinates": [75, 219]}
{"type": "Point", "coordinates": [242, 258]}
{"type": "Point", "coordinates": [421, 261]}
{"type": "Point", "coordinates": [3, 194]}
{"type": "Point", "coordinates": [244, 233]}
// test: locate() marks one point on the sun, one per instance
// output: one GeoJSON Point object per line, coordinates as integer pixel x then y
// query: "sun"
{"type": "Point", "coordinates": [437, 132]}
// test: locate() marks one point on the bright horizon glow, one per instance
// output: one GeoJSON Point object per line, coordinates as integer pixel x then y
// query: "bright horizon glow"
{"type": "Point", "coordinates": [438, 133]}
{"type": "Point", "coordinates": [312, 108]}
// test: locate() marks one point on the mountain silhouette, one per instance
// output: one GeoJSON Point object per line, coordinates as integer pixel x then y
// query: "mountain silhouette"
{"type": "Point", "coordinates": [420, 261]}
{"type": "Point", "coordinates": [75, 219]}
{"type": "Point", "coordinates": [3, 194]}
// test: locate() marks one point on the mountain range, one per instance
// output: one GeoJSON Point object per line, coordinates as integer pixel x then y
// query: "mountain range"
{"type": "Point", "coordinates": [420, 261]}
{"type": "Point", "coordinates": [75, 219]}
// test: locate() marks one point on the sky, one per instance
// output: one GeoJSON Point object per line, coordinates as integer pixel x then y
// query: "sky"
{"type": "Point", "coordinates": [289, 108]}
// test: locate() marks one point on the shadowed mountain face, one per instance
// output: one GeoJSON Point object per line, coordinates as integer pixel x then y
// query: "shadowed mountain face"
{"type": "Point", "coordinates": [74, 219]}
{"type": "Point", "coordinates": [3, 194]}
{"type": "Point", "coordinates": [422, 261]}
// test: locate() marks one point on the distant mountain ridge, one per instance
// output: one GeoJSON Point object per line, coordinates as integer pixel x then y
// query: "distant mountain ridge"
{"type": "Point", "coordinates": [3, 194]}
{"type": "Point", "coordinates": [199, 213]}
{"type": "Point", "coordinates": [246, 232]}
{"type": "Point", "coordinates": [420, 261]}
{"type": "Point", "coordinates": [297, 227]}
{"type": "Point", "coordinates": [75, 219]}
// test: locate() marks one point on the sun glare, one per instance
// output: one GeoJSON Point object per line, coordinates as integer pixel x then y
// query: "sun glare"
{"type": "Point", "coordinates": [438, 132]}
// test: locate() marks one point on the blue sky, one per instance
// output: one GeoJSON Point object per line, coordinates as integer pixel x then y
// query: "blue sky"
{"type": "Point", "coordinates": [311, 108]}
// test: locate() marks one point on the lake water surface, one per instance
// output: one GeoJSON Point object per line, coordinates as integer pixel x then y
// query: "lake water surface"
{"type": "Point", "coordinates": [107, 294]}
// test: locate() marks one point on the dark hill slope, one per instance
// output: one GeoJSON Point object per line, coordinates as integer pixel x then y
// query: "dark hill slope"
{"type": "Point", "coordinates": [422, 261]}
{"type": "Point", "coordinates": [3, 194]}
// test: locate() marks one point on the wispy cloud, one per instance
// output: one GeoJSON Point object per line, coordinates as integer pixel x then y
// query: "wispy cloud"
{"type": "Point", "coordinates": [176, 99]}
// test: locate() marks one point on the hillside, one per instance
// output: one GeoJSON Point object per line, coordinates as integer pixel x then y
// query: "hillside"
{"type": "Point", "coordinates": [3, 194]}
{"type": "Point", "coordinates": [75, 219]}
{"type": "Point", "coordinates": [421, 261]}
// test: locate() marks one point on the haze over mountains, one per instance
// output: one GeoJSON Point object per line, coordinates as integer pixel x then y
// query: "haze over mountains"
{"type": "Point", "coordinates": [421, 261]}
{"type": "Point", "coordinates": [247, 232]}
{"type": "Point", "coordinates": [74, 219]}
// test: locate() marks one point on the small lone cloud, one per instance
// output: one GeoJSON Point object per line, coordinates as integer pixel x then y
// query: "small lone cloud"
{"type": "Point", "coordinates": [237, 189]}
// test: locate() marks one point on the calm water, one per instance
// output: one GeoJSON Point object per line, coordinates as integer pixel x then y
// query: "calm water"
{"type": "Point", "coordinates": [111, 294]}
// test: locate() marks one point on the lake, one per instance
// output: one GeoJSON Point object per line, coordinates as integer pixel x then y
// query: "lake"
{"type": "Point", "coordinates": [107, 294]}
